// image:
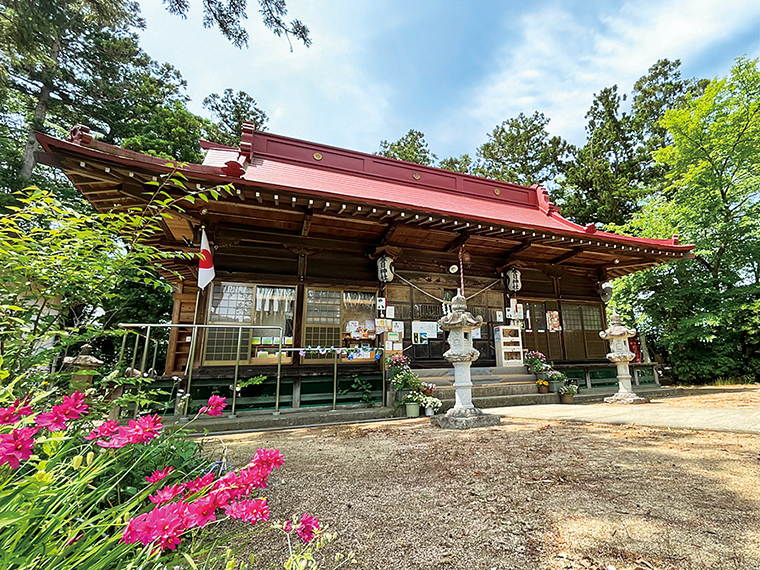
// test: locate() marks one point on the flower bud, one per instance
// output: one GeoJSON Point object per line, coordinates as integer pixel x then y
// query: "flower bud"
{"type": "Point", "coordinates": [90, 458]}
{"type": "Point", "coordinates": [77, 462]}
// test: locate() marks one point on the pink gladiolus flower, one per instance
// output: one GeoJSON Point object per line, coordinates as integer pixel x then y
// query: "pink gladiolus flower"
{"type": "Point", "coordinates": [107, 429]}
{"type": "Point", "coordinates": [268, 458]}
{"type": "Point", "coordinates": [115, 442]}
{"type": "Point", "coordinates": [288, 526]}
{"type": "Point", "coordinates": [306, 529]}
{"type": "Point", "coordinates": [54, 420]}
{"type": "Point", "coordinates": [16, 446]}
{"type": "Point", "coordinates": [215, 406]}
{"type": "Point", "coordinates": [167, 494]}
{"type": "Point", "coordinates": [199, 483]}
{"type": "Point", "coordinates": [14, 412]}
{"type": "Point", "coordinates": [141, 430]}
{"type": "Point", "coordinates": [73, 406]}
{"type": "Point", "coordinates": [202, 511]}
{"type": "Point", "coordinates": [157, 475]}
{"type": "Point", "coordinates": [163, 525]}
{"type": "Point", "coordinates": [249, 511]}
{"type": "Point", "coordinates": [144, 429]}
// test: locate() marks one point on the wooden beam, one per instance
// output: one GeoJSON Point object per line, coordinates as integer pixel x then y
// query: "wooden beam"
{"type": "Point", "coordinates": [565, 256]}
{"type": "Point", "coordinates": [302, 262]}
{"type": "Point", "coordinates": [307, 222]}
{"type": "Point", "coordinates": [388, 235]}
{"type": "Point", "coordinates": [458, 241]}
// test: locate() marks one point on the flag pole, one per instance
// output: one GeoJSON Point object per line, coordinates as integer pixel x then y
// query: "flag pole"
{"type": "Point", "coordinates": [206, 275]}
{"type": "Point", "coordinates": [191, 356]}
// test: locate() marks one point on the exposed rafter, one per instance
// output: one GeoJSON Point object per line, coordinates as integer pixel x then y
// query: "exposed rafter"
{"type": "Point", "coordinates": [458, 241]}
{"type": "Point", "coordinates": [567, 255]}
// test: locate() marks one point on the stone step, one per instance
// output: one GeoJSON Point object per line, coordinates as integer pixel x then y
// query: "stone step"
{"type": "Point", "coordinates": [503, 401]}
{"type": "Point", "coordinates": [474, 371]}
{"type": "Point", "coordinates": [510, 389]}
{"type": "Point", "coordinates": [447, 381]}
{"type": "Point", "coordinates": [259, 420]}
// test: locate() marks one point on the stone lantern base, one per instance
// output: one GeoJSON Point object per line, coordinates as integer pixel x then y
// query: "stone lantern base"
{"type": "Point", "coordinates": [465, 418]}
{"type": "Point", "coordinates": [626, 398]}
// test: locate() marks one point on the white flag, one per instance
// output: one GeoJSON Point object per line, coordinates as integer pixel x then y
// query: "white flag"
{"type": "Point", "coordinates": [206, 266]}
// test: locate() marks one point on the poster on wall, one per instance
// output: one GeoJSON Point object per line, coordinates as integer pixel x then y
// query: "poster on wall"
{"type": "Point", "coordinates": [383, 325]}
{"type": "Point", "coordinates": [394, 336]}
{"type": "Point", "coordinates": [419, 338]}
{"type": "Point", "coordinates": [430, 328]}
{"type": "Point", "coordinates": [398, 327]}
{"type": "Point", "coordinates": [476, 334]}
{"type": "Point", "coordinates": [390, 312]}
{"type": "Point", "coordinates": [552, 321]}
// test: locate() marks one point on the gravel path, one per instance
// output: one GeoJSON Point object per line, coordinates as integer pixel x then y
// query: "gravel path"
{"type": "Point", "coordinates": [528, 494]}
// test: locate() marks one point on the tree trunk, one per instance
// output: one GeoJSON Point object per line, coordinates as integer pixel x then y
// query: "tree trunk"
{"type": "Point", "coordinates": [40, 112]}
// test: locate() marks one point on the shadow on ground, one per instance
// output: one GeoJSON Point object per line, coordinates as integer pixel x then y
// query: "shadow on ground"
{"type": "Point", "coordinates": [523, 495]}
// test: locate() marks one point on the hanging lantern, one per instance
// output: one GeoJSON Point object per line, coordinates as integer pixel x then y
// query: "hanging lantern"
{"type": "Point", "coordinates": [512, 279]}
{"type": "Point", "coordinates": [385, 269]}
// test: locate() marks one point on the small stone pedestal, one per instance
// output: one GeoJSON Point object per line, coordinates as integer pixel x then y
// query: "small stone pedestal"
{"type": "Point", "coordinates": [460, 324]}
{"type": "Point", "coordinates": [621, 355]}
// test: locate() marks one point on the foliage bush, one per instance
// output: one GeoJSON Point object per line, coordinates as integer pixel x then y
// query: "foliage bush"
{"type": "Point", "coordinates": [73, 493]}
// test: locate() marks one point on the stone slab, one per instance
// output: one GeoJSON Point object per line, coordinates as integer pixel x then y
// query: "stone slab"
{"type": "Point", "coordinates": [465, 422]}
{"type": "Point", "coordinates": [709, 419]}
{"type": "Point", "coordinates": [625, 398]}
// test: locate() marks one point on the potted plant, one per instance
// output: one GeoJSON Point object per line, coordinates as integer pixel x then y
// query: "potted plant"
{"type": "Point", "coordinates": [431, 405]}
{"type": "Point", "coordinates": [543, 386]}
{"type": "Point", "coordinates": [412, 402]}
{"type": "Point", "coordinates": [536, 362]}
{"type": "Point", "coordinates": [428, 388]}
{"type": "Point", "coordinates": [405, 380]}
{"type": "Point", "coordinates": [567, 393]}
{"type": "Point", "coordinates": [556, 380]}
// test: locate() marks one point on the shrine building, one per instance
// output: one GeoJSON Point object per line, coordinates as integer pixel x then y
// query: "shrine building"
{"type": "Point", "coordinates": [313, 237]}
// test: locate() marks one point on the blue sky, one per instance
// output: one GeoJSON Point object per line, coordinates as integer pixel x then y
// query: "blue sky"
{"type": "Point", "coordinates": [451, 69]}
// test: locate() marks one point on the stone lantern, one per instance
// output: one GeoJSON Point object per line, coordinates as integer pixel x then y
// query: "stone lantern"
{"type": "Point", "coordinates": [621, 355]}
{"type": "Point", "coordinates": [460, 323]}
{"type": "Point", "coordinates": [83, 368]}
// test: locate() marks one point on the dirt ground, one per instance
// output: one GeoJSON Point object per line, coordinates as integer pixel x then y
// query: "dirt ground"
{"type": "Point", "coordinates": [523, 495]}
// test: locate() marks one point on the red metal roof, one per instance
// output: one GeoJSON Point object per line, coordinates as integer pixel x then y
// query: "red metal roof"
{"type": "Point", "coordinates": [282, 163]}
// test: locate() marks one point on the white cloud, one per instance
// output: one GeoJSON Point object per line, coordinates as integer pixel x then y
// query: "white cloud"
{"type": "Point", "coordinates": [319, 93]}
{"type": "Point", "coordinates": [559, 61]}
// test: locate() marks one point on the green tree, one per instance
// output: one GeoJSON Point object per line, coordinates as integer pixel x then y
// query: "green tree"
{"type": "Point", "coordinates": [172, 132]}
{"type": "Point", "coordinates": [521, 151]}
{"type": "Point", "coordinates": [463, 164]}
{"type": "Point", "coordinates": [612, 174]}
{"type": "Point", "coordinates": [229, 17]}
{"type": "Point", "coordinates": [704, 314]}
{"type": "Point", "coordinates": [229, 112]}
{"type": "Point", "coordinates": [412, 147]}
{"type": "Point", "coordinates": [43, 45]}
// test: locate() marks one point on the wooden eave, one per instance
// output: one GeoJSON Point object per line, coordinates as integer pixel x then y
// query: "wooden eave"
{"type": "Point", "coordinates": [256, 218]}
